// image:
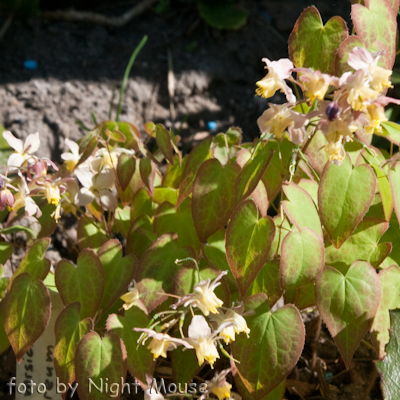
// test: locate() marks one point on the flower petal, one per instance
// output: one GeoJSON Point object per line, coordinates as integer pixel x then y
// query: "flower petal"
{"type": "Point", "coordinates": [15, 143]}
{"type": "Point", "coordinates": [32, 143]}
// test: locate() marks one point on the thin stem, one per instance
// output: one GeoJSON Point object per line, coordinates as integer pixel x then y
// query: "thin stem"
{"type": "Point", "coordinates": [126, 75]}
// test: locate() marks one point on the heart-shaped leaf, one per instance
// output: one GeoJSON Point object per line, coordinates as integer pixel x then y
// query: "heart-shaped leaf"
{"type": "Point", "coordinates": [277, 171]}
{"type": "Point", "coordinates": [90, 234]}
{"type": "Point", "coordinates": [196, 157]}
{"type": "Point", "coordinates": [140, 359]}
{"type": "Point", "coordinates": [277, 340]}
{"type": "Point", "coordinates": [141, 205]}
{"type": "Point", "coordinates": [344, 197]}
{"type": "Point", "coordinates": [374, 22]}
{"type": "Point", "coordinates": [302, 258]}
{"type": "Point", "coordinates": [184, 366]}
{"type": "Point", "coordinates": [248, 240]}
{"type": "Point", "coordinates": [253, 170]}
{"type": "Point", "coordinates": [389, 279]}
{"type": "Point", "coordinates": [347, 304]}
{"type": "Point", "coordinates": [163, 139]}
{"type": "Point", "coordinates": [125, 169]}
{"type": "Point", "coordinates": [126, 196]}
{"type": "Point", "coordinates": [34, 262]}
{"type": "Point", "coordinates": [83, 283]}
{"type": "Point", "coordinates": [26, 313]}
{"type": "Point", "coordinates": [388, 368]}
{"type": "Point", "coordinates": [343, 52]}
{"type": "Point", "coordinates": [179, 220]}
{"type": "Point", "coordinates": [157, 269]}
{"type": "Point", "coordinates": [118, 272]}
{"type": "Point", "coordinates": [6, 249]}
{"type": "Point", "coordinates": [214, 197]}
{"type": "Point", "coordinates": [361, 245]}
{"type": "Point", "coordinates": [277, 394]}
{"type": "Point", "coordinates": [268, 281]}
{"type": "Point", "coordinates": [317, 158]}
{"type": "Point", "coordinates": [314, 45]}
{"type": "Point", "coordinates": [301, 209]}
{"type": "Point", "coordinates": [98, 359]}
{"type": "Point", "coordinates": [69, 331]}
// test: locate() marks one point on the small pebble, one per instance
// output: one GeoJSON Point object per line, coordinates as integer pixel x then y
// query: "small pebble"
{"type": "Point", "coordinates": [212, 125]}
{"type": "Point", "coordinates": [30, 64]}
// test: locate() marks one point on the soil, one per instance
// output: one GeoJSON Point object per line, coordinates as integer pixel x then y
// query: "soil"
{"type": "Point", "coordinates": [80, 65]}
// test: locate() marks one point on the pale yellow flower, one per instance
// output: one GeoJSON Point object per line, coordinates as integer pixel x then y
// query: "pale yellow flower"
{"type": "Point", "coordinates": [275, 119]}
{"type": "Point", "coordinates": [315, 83]}
{"type": "Point", "coordinates": [219, 386]}
{"type": "Point", "coordinates": [375, 115]}
{"type": "Point", "coordinates": [130, 297]}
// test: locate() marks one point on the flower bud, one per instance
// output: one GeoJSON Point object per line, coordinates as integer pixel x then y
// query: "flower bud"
{"type": "Point", "coordinates": [332, 110]}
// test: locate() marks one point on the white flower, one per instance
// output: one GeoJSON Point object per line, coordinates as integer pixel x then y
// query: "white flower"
{"type": "Point", "coordinates": [161, 342]}
{"type": "Point", "coordinates": [22, 199]}
{"type": "Point", "coordinates": [108, 159]}
{"type": "Point", "coordinates": [234, 316]}
{"type": "Point", "coordinates": [203, 296]}
{"type": "Point", "coordinates": [71, 159]}
{"type": "Point", "coordinates": [278, 71]}
{"type": "Point", "coordinates": [96, 187]}
{"type": "Point", "coordinates": [361, 59]}
{"type": "Point", "coordinates": [203, 341]}
{"type": "Point", "coordinates": [23, 151]}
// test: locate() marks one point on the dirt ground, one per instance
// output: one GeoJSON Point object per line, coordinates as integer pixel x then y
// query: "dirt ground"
{"type": "Point", "coordinates": [80, 65]}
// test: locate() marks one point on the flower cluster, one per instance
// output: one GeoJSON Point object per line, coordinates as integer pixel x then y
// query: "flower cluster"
{"type": "Point", "coordinates": [200, 337]}
{"type": "Point", "coordinates": [342, 107]}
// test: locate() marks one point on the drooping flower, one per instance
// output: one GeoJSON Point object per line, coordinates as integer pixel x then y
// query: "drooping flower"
{"type": "Point", "coordinates": [219, 385]}
{"type": "Point", "coordinates": [162, 342]}
{"type": "Point", "coordinates": [315, 84]}
{"type": "Point", "coordinates": [23, 150]}
{"type": "Point", "coordinates": [375, 115]}
{"type": "Point", "coordinates": [275, 119]}
{"type": "Point", "coordinates": [71, 159]}
{"type": "Point", "coordinates": [278, 71]}
{"type": "Point", "coordinates": [357, 90]}
{"type": "Point", "coordinates": [203, 340]}
{"type": "Point", "coordinates": [22, 199]}
{"type": "Point", "coordinates": [361, 59]}
{"type": "Point", "coordinates": [130, 297]}
{"type": "Point", "coordinates": [96, 187]}
{"type": "Point", "coordinates": [234, 316]}
{"type": "Point", "coordinates": [104, 158]}
{"type": "Point", "coordinates": [6, 196]}
{"type": "Point", "coordinates": [203, 296]}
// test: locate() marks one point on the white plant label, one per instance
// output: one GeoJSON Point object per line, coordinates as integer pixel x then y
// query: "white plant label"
{"type": "Point", "coordinates": [36, 376]}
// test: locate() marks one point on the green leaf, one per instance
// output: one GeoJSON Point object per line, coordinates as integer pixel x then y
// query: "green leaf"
{"type": "Point", "coordinates": [90, 234]}
{"type": "Point", "coordinates": [69, 331]}
{"type": "Point", "coordinates": [140, 359]}
{"type": "Point", "coordinates": [361, 245]}
{"type": "Point", "coordinates": [389, 279]}
{"type": "Point", "coordinates": [163, 139]}
{"type": "Point", "coordinates": [347, 304]}
{"type": "Point", "coordinates": [178, 220]}
{"type": "Point", "coordinates": [268, 281]}
{"type": "Point", "coordinates": [118, 272]}
{"type": "Point", "coordinates": [83, 283]}
{"type": "Point", "coordinates": [141, 205]}
{"type": "Point", "coordinates": [162, 194]}
{"type": "Point", "coordinates": [253, 170]}
{"type": "Point", "coordinates": [277, 394]}
{"type": "Point", "coordinates": [16, 229]}
{"type": "Point", "coordinates": [392, 235]}
{"type": "Point", "coordinates": [34, 262]}
{"type": "Point", "coordinates": [344, 197]}
{"type": "Point", "coordinates": [47, 222]}
{"type": "Point", "coordinates": [148, 173]}
{"type": "Point", "coordinates": [140, 236]}
{"type": "Point", "coordinates": [302, 258]}
{"type": "Point", "coordinates": [343, 52]}
{"type": "Point", "coordinates": [222, 15]}
{"type": "Point", "coordinates": [184, 366]}
{"type": "Point", "coordinates": [394, 179]}
{"type": "Point", "coordinates": [248, 240]}
{"type": "Point", "coordinates": [391, 131]}
{"type": "Point", "coordinates": [314, 45]}
{"type": "Point", "coordinates": [26, 313]}
{"type": "Point", "coordinates": [125, 169]}
{"type": "Point", "coordinates": [115, 135]}
{"type": "Point", "coordinates": [301, 209]}
{"type": "Point", "coordinates": [98, 359]}
{"type": "Point", "coordinates": [389, 367]}
{"type": "Point", "coordinates": [276, 343]}
{"type": "Point", "coordinates": [213, 199]}
{"type": "Point", "coordinates": [277, 171]}
{"type": "Point", "coordinates": [156, 271]}
{"type": "Point", "coordinates": [384, 189]}
{"type": "Point", "coordinates": [6, 249]}
{"type": "Point", "coordinates": [4, 342]}
{"type": "Point", "coordinates": [317, 158]}
{"type": "Point", "coordinates": [123, 220]}
{"type": "Point", "coordinates": [126, 196]}
{"type": "Point", "coordinates": [196, 157]}
{"type": "Point", "coordinates": [374, 22]}
{"type": "Point", "coordinates": [173, 173]}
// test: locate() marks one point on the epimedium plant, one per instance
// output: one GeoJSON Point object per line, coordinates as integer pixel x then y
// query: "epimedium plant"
{"type": "Point", "coordinates": [193, 251]}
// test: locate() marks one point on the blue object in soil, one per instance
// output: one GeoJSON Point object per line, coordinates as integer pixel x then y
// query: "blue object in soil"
{"type": "Point", "coordinates": [328, 376]}
{"type": "Point", "coordinates": [212, 125]}
{"type": "Point", "coordinates": [30, 64]}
